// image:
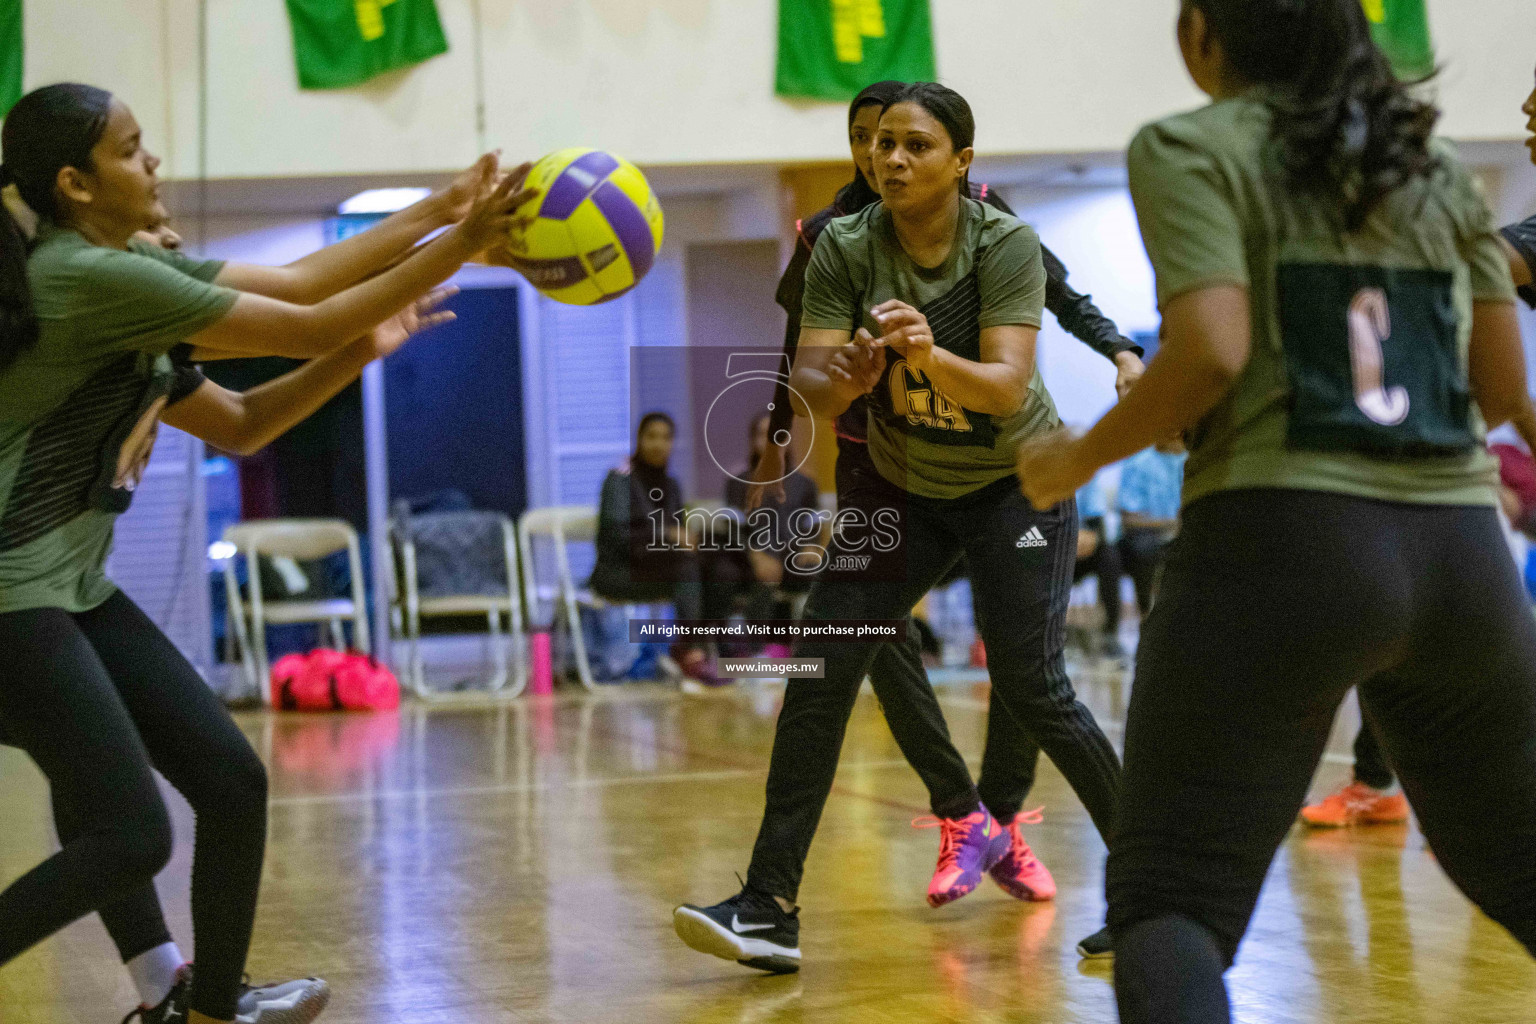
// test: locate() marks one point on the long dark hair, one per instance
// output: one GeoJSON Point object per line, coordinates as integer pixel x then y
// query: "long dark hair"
{"type": "Point", "coordinates": [1348, 130]}
{"type": "Point", "coordinates": [645, 421]}
{"type": "Point", "coordinates": [948, 108]}
{"type": "Point", "coordinates": [47, 130]}
{"type": "Point", "coordinates": [859, 193]}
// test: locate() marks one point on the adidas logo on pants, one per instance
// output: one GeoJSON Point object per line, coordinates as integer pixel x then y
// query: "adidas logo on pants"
{"type": "Point", "coordinates": [1033, 539]}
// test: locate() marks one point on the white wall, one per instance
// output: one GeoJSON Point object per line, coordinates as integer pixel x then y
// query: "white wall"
{"type": "Point", "coordinates": [1094, 233]}
{"type": "Point", "coordinates": [667, 81]}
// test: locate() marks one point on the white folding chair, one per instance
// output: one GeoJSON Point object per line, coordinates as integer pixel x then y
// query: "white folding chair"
{"type": "Point", "coordinates": [301, 540]}
{"type": "Point", "coordinates": [561, 525]}
{"type": "Point", "coordinates": [491, 591]}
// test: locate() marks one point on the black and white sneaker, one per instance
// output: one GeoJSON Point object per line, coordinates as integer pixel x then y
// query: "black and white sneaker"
{"type": "Point", "coordinates": [173, 1008]}
{"type": "Point", "coordinates": [1097, 946]}
{"type": "Point", "coordinates": [749, 928]}
{"type": "Point", "coordinates": [286, 1002]}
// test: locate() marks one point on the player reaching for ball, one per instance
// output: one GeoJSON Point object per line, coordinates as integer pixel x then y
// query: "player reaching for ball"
{"type": "Point", "coordinates": [90, 688]}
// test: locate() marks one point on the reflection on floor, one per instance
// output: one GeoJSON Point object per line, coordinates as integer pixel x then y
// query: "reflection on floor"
{"type": "Point", "coordinates": [520, 863]}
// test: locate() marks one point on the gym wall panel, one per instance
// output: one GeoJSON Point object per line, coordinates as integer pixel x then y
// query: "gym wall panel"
{"type": "Point", "coordinates": [730, 305]}
{"type": "Point", "coordinates": [668, 81]}
{"type": "Point", "coordinates": [120, 46]}
{"type": "Point", "coordinates": [261, 124]}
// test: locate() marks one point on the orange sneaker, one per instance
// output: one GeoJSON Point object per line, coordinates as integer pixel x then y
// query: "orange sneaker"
{"type": "Point", "coordinates": [1357, 804]}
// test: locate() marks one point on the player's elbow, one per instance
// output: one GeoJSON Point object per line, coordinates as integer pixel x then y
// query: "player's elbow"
{"type": "Point", "coordinates": [293, 283]}
{"type": "Point", "coordinates": [1006, 397]}
{"type": "Point", "coordinates": [246, 442]}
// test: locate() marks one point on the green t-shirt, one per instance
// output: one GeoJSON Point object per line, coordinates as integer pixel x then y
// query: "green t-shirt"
{"type": "Point", "coordinates": [78, 410]}
{"type": "Point", "coordinates": [1357, 382]}
{"type": "Point", "coordinates": [994, 275]}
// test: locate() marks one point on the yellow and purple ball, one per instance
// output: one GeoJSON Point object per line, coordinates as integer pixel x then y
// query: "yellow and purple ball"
{"type": "Point", "coordinates": [594, 227]}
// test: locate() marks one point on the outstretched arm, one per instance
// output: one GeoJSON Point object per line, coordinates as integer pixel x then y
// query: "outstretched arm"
{"type": "Point", "coordinates": [323, 273]}
{"type": "Point", "coordinates": [1080, 318]}
{"type": "Point", "coordinates": [1207, 339]}
{"type": "Point", "coordinates": [257, 325]}
{"type": "Point", "coordinates": [244, 422]}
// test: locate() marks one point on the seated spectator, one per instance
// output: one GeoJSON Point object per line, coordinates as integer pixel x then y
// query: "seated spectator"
{"type": "Point", "coordinates": [643, 554]}
{"type": "Point", "coordinates": [775, 531]}
{"type": "Point", "coordinates": [1096, 556]}
{"type": "Point", "coordinates": [1149, 514]}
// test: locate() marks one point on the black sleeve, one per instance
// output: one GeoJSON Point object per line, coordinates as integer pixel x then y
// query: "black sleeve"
{"type": "Point", "coordinates": [613, 526]}
{"type": "Point", "coordinates": [1078, 315]}
{"type": "Point", "coordinates": [790, 296]}
{"type": "Point", "coordinates": [188, 376]}
{"type": "Point", "coordinates": [1522, 237]}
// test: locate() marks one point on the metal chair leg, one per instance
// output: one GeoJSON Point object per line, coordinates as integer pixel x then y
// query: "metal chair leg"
{"type": "Point", "coordinates": [498, 652]}
{"type": "Point", "coordinates": [579, 643]}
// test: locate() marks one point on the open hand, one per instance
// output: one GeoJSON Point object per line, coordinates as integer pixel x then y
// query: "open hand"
{"type": "Point", "coordinates": [1051, 468]}
{"type": "Point", "coordinates": [860, 362]}
{"type": "Point", "coordinates": [457, 197]}
{"type": "Point", "coordinates": [489, 220]}
{"type": "Point", "coordinates": [419, 316]}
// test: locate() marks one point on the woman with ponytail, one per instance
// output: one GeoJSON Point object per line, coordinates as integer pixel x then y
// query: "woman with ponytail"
{"type": "Point", "coordinates": [94, 328]}
{"type": "Point", "coordinates": [1338, 333]}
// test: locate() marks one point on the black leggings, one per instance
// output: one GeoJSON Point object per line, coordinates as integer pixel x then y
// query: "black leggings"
{"type": "Point", "coordinates": [1371, 765]}
{"type": "Point", "coordinates": [1272, 605]}
{"type": "Point", "coordinates": [1022, 584]}
{"type": "Point", "coordinates": [135, 922]}
{"type": "Point", "coordinates": [917, 723]}
{"type": "Point", "coordinates": [1141, 554]}
{"type": "Point", "coordinates": [912, 711]}
{"type": "Point", "coordinates": [96, 699]}
{"type": "Point", "coordinates": [1104, 564]}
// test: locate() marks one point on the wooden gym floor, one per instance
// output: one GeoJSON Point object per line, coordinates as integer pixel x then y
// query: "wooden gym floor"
{"type": "Point", "coordinates": [520, 863]}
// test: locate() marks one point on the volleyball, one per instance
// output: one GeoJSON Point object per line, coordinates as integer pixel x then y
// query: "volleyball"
{"type": "Point", "coordinates": [592, 230]}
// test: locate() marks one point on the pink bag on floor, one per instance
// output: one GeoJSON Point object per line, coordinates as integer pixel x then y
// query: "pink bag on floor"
{"type": "Point", "coordinates": [327, 680]}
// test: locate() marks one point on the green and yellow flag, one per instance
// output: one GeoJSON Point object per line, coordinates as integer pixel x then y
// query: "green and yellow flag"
{"type": "Point", "coordinates": [10, 54]}
{"type": "Point", "coordinates": [338, 43]}
{"type": "Point", "coordinates": [830, 49]}
{"type": "Point", "coordinates": [1401, 29]}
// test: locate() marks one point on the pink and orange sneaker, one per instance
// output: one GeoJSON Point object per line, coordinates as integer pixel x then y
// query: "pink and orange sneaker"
{"type": "Point", "coordinates": [1020, 872]}
{"type": "Point", "coordinates": [1357, 804]}
{"type": "Point", "coordinates": [968, 847]}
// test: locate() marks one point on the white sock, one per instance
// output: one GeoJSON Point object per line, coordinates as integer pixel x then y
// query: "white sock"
{"type": "Point", "coordinates": [154, 972]}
